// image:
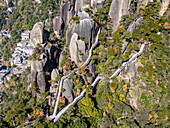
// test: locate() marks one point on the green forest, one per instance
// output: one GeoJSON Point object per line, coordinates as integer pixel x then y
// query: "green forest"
{"type": "Point", "coordinates": [113, 103]}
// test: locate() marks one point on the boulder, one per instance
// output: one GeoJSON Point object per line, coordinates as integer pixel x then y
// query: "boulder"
{"type": "Point", "coordinates": [48, 62]}
{"type": "Point", "coordinates": [37, 66]}
{"type": "Point", "coordinates": [38, 34]}
{"type": "Point", "coordinates": [74, 48]}
{"type": "Point", "coordinates": [68, 90]}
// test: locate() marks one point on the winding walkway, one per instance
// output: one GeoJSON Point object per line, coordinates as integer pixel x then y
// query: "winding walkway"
{"type": "Point", "coordinates": [55, 117]}
{"type": "Point", "coordinates": [75, 70]}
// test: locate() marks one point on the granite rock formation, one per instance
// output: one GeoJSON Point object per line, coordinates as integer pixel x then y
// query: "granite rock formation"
{"type": "Point", "coordinates": [77, 49]}
{"type": "Point", "coordinates": [38, 35]}
{"type": "Point", "coordinates": [67, 90]}
{"type": "Point", "coordinates": [40, 67]}
{"type": "Point", "coordinates": [119, 8]}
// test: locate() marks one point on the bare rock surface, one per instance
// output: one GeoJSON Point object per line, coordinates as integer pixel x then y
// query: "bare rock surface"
{"type": "Point", "coordinates": [54, 74]}
{"type": "Point", "coordinates": [164, 7]}
{"type": "Point", "coordinates": [77, 49]}
{"type": "Point", "coordinates": [68, 90]}
{"type": "Point", "coordinates": [83, 29]}
{"type": "Point", "coordinates": [38, 35]}
{"type": "Point", "coordinates": [41, 81]}
{"type": "Point", "coordinates": [119, 8]}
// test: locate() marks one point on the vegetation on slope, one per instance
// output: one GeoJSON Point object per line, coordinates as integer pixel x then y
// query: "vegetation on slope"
{"type": "Point", "coordinates": [110, 104]}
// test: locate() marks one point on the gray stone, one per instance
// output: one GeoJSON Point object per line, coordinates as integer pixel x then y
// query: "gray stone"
{"type": "Point", "coordinates": [83, 15]}
{"type": "Point", "coordinates": [38, 35]}
{"type": "Point", "coordinates": [83, 29]}
{"type": "Point", "coordinates": [33, 76]}
{"type": "Point", "coordinates": [54, 74]}
{"type": "Point", "coordinates": [68, 90]}
{"type": "Point", "coordinates": [57, 25]}
{"type": "Point", "coordinates": [77, 49]}
{"type": "Point", "coordinates": [37, 66]}
{"type": "Point", "coordinates": [124, 46]}
{"type": "Point", "coordinates": [74, 48]}
{"type": "Point", "coordinates": [118, 8]}
{"type": "Point", "coordinates": [67, 13]}
{"type": "Point", "coordinates": [130, 72]}
{"type": "Point", "coordinates": [41, 81]}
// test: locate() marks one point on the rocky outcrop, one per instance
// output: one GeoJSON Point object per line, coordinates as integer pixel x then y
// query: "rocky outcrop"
{"type": "Point", "coordinates": [41, 81]}
{"type": "Point", "coordinates": [57, 25]}
{"type": "Point", "coordinates": [77, 49]}
{"type": "Point", "coordinates": [54, 74]}
{"type": "Point", "coordinates": [45, 65]}
{"type": "Point", "coordinates": [37, 66]}
{"type": "Point", "coordinates": [130, 73]}
{"type": "Point", "coordinates": [83, 28]}
{"type": "Point", "coordinates": [69, 9]}
{"type": "Point", "coordinates": [38, 34]}
{"type": "Point", "coordinates": [67, 90]}
{"type": "Point", "coordinates": [164, 7]}
{"type": "Point", "coordinates": [119, 8]}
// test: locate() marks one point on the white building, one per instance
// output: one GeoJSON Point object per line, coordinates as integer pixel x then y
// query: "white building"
{"type": "Point", "coordinates": [23, 50]}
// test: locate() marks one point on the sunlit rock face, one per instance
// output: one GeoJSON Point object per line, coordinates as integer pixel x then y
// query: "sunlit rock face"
{"type": "Point", "coordinates": [67, 86]}
{"type": "Point", "coordinates": [38, 34]}
{"type": "Point", "coordinates": [77, 49]}
{"type": "Point", "coordinates": [164, 7]}
{"type": "Point", "coordinates": [119, 8]}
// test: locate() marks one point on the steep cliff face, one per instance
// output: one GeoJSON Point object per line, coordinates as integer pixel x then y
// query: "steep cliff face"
{"type": "Point", "coordinates": [44, 66]}
{"type": "Point", "coordinates": [119, 8]}
{"type": "Point", "coordinates": [69, 9]}
{"type": "Point", "coordinates": [83, 29]}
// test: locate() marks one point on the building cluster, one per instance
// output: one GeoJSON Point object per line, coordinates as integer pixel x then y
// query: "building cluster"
{"type": "Point", "coordinates": [4, 33]}
{"type": "Point", "coordinates": [19, 57]}
{"type": "Point", "coordinates": [23, 50]}
{"type": "Point", "coordinates": [3, 73]}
